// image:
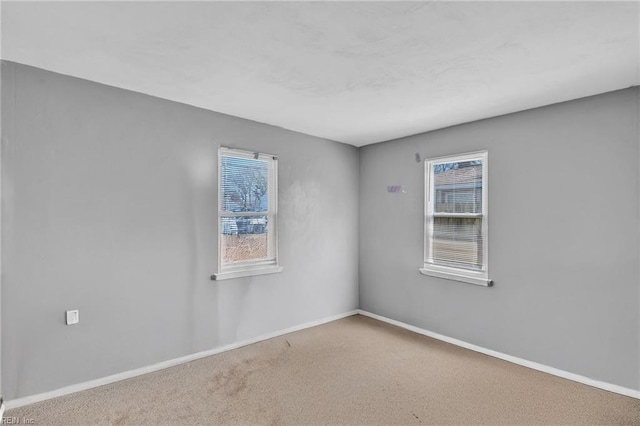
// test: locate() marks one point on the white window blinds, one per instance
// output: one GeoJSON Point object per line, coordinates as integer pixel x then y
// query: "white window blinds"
{"type": "Point", "coordinates": [247, 209]}
{"type": "Point", "coordinates": [456, 214]}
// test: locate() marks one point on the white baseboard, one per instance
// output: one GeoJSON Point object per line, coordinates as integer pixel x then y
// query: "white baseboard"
{"type": "Point", "coordinates": [525, 363]}
{"type": "Point", "coordinates": [19, 402]}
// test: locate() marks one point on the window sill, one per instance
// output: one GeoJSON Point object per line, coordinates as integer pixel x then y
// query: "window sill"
{"type": "Point", "coordinates": [246, 273]}
{"type": "Point", "coordinates": [457, 277]}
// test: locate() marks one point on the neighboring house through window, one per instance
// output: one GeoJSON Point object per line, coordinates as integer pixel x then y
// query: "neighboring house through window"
{"type": "Point", "coordinates": [456, 225]}
{"type": "Point", "coordinates": [247, 214]}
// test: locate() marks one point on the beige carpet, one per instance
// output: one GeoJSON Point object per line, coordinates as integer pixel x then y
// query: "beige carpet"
{"type": "Point", "coordinates": [352, 371]}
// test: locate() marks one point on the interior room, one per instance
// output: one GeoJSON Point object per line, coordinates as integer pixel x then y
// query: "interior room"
{"type": "Point", "coordinates": [320, 212]}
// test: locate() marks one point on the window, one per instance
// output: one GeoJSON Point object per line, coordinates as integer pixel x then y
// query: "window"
{"type": "Point", "coordinates": [247, 214]}
{"type": "Point", "coordinates": [456, 218]}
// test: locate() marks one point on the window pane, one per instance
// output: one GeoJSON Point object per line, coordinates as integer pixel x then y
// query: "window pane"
{"type": "Point", "coordinates": [244, 238]}
{"type": "Point", "coordinates": [244, 185]}
{"type": "Point", "coordinates": [457, 242]}
{"type": "Point", "coordinates": [458, 187]}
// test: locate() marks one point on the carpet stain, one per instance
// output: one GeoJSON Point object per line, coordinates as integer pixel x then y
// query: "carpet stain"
{"type": "Point", "coordinates": [232, 381]}
{"type": "Point", "coordinates": [121, 420]}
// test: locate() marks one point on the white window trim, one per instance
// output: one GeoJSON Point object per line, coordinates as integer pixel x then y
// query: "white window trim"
{"type": "Point", "coordinates": [259, 267]}
{"type": "Point", "coordinates": [451, 273]}
{"type": "Point", "coordinates": [246, 272]}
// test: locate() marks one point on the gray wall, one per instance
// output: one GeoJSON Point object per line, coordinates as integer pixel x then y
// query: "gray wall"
{"type": "Point", "coordinates": [563, 237]}
{"type": "Point", "coordinates": [109, 207]}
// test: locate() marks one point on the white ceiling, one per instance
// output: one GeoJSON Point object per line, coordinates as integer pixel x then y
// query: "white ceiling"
{"type": "Point", "coordinates": [355, 72]}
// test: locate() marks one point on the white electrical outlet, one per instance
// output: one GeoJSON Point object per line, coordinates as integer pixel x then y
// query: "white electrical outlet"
{"type": "Point", "coordinates": [73, 317]}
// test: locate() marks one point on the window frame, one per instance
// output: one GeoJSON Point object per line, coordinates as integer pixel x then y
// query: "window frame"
{"type": "Point", "coordinates": [252, 267]}
{"type": "Point", "coordinates": [477, 277]}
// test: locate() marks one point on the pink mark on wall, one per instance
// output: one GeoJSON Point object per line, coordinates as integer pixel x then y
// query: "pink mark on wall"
{"type": "Point", "coordinates": [396, 189]}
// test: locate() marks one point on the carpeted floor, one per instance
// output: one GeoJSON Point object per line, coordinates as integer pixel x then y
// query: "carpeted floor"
{"type": "Point", "coordinates": [353, 371]}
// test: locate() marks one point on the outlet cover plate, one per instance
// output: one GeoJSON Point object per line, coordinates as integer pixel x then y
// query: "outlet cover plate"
{"type": "Point", "coordinates": [73, 317]}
